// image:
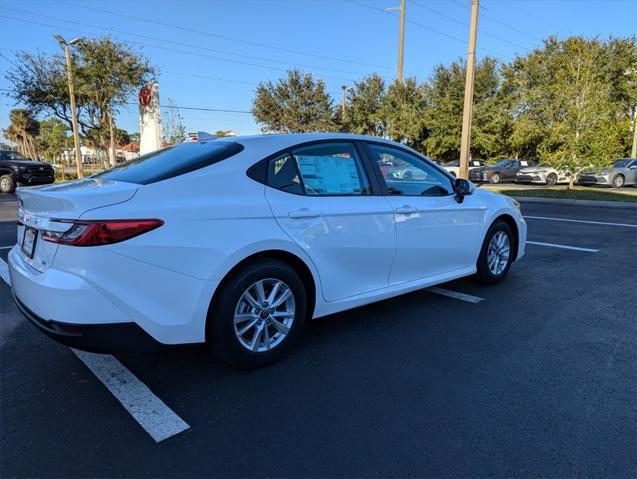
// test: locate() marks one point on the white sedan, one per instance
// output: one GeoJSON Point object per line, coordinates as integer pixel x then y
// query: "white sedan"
{"type": "Point", "coordinates": [238, 241]}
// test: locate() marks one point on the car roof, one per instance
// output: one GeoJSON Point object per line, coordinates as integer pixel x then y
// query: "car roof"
{"type": "Point", "coordinates": [281, 141]}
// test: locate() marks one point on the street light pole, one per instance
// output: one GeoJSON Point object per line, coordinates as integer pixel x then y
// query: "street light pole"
{"type": "Point", "coordinates": [69, 74]}
{"type": "Point", "coordinates": [465, 142]}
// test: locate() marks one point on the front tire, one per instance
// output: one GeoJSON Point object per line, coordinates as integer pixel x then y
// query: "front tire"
{"type": "Point", "coordinates": [495, 178]}
{"type": "Point", "coordinates": [619, 181]}
{"type": "Point", "coordinates": [258, 314]}
{"type": "Point", "coordinates": [496, 254]}
{"type": "Point", "coordinates": [7, 184]}
{"type": "Point", "coordinates": [551, 180]}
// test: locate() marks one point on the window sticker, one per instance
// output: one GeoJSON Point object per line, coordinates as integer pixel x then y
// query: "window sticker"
{"type": "Point", "coordinates": [329, 175]}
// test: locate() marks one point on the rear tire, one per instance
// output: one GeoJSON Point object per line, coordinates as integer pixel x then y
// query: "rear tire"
{"type": "Point", "coordinates": [498, 245]}
{"type": "Point", "coordinates": [495, 178]}
{"type": "Point", "coordinates": [7, 184]}
{"type": "Point", "coordinates": [275, 332]}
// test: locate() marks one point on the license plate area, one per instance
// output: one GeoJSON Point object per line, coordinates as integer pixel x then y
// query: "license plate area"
{"type": "Point", "coordinates": [29, 240]}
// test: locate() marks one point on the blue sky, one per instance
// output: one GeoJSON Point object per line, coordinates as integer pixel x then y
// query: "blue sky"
{"type": "Point", "coordinates": [212, 53]}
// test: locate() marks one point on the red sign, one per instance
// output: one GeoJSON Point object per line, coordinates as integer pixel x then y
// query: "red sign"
{"type": "Point", "coordinates": [145, 95]}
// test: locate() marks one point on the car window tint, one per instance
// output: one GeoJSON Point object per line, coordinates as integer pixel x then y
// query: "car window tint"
{"type": "Point", "coordinates": [172, 161]}
{"type": "Point", "coordinates": [407, 175]}
{"type": "Point", "coordinates": [283, 175]}
{"type": "Point", "coordinates": [329, 169]}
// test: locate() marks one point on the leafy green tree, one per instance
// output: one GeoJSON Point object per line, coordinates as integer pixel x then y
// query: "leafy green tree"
{"type": "Point", "coordinates": [443, 117]}
{"type": "Point", "coordinates": [23, 129]}
{"type": "Point", "coordinates": [296, 104]}
{"type": "Point", "coordinates": [53, 138]}
{"type": "Point", "coordinates": [106, 75]}
{"type": "Point", "coordinates": [364, 107]}
{"type": "Point", "coordinates": [567, 105]}
{"type": "Point", "coordinates": [403, 110]}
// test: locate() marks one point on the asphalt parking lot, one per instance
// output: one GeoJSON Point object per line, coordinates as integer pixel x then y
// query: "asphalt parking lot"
{"type": "Point", "coordinates": [534, 377]}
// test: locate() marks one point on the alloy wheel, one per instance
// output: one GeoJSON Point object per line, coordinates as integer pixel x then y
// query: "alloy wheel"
{"type": "Point", "coordinates": [498, 253]}
{"type": "Point", "coordinates": [264, 315]}
{"type": "Point", "coordinates": [5, 184]}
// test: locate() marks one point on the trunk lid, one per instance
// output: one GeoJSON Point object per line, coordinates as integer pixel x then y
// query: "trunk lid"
{"type": "Point", "coordinates": [71, 200]}
{"type": "Point", "coordinates": [65, 201]}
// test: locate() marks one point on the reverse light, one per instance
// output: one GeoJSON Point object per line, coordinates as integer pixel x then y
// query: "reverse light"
{"type": "Point", "coordinates": [100, 232]}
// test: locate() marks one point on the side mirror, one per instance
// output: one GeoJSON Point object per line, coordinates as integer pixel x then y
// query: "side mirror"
{"type": "Point", "coordinates": [462, 188]}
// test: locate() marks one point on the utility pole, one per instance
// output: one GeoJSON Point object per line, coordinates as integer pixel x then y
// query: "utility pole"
{"type": "Point", "coordinates": [633, 152]}
{"type": "Point", "coordinates": [465, 142]}
{"type": "Point", "coordinates": [401, 42]}
{"type": "Point", "coordinates": [69, 74]}
{"type": "Point", "coordinates": [344, 89]}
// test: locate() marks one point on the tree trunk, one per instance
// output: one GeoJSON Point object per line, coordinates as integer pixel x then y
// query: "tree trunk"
{"type": "Point", "coordinates": [111, 131]}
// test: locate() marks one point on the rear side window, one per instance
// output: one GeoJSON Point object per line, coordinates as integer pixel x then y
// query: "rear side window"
{"type": "Point", "coordinates": [324, 169]}
{"type": "Point", "coordinates": [172, 161]}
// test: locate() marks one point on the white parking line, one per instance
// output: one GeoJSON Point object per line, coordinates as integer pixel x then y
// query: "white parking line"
{"type": "Point", "coordinates": [563, 246]}
{"type": "Point", "coordinates": [149, 411]}
{"type": "Point", "coordinates": [455, 294]}
{"type": "Point", "coordinates": [7, 247]}
{"type": "Point", "coordinates": [627, 225]}
{"type": "Point", "coordinates": [4, 272]}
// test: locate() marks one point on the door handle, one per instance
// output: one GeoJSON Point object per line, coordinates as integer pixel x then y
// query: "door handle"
{"type": "Point", "coordinates": [304, 213]}
{"type": "Point", "coordinates": [406, 210]}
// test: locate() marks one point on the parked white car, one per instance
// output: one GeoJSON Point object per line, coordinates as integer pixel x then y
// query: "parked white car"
{"type": "Point", "coordinates": [453, 167]}
{"type": "Point", "coordinates": [542, 175]}
{"type": "Point", "coordinates": [237, 241]}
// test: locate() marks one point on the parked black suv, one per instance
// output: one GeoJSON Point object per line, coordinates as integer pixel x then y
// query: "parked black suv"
{"type": "Point", "coordinates": [15, 168]}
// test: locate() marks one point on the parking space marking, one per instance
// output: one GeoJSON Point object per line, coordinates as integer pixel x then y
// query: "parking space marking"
{"type": "Point", "coordinates": [4, 272]}
{"type": "Point", "coordinates": [563, 246]}
{"type": "Point", "coordinates": [149, 411]}
{"type": "Point", "coordinates": [627, 225]}
{"type": "Point", "coordinates": [7, 247]}
{"type": "Point", "coordinates": [455, 294]}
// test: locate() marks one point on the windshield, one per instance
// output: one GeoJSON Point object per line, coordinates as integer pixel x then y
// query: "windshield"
{"type": "Point", "coordinates": [13, 155]}
{"type": "Point", "coordinates": [171, 161]}
{"type": "Point", "coordinates": [621, 163]}
{"type": "Point", "coordinates": [453, 163]}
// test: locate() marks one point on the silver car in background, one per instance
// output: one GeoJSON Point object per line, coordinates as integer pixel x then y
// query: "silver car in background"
{"type": "Point", "coordinates": [541, 175]}
{"type": "Point", "coordinates": [622, 173]}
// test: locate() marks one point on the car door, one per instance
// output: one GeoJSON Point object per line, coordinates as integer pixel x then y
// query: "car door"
{"type": "Point", "coordinates": [510, 170]}
{"type": "Point", "coordinates": [321, 196]}
{"type": "Point", "coordinates": [631, 173]}
{"type": "Point", "coordinates": [435, 234]}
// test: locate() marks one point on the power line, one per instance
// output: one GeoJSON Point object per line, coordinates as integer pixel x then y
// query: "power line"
{"type": "Point", "coordinates": [464, 24]}
{"type": "Point", "coordinates": [267, 67]}
{"type": "Point", "coordinates": [189, 45]}
{"type": "Point", "coordinates": [180, 107]}
{"type": "Point", "coordinates": [425, 27]}
{"type": "Point", "coordinates": [225, 37]}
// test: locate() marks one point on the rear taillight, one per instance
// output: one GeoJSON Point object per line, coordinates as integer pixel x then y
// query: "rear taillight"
{"type": "Point", "coordinates": [100, 232]}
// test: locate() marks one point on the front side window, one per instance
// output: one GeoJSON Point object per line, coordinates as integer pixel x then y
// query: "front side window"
{"type": "Point", "coordinates": [409, 175]}
{"type": "Point", "coordinates": [324, 169]}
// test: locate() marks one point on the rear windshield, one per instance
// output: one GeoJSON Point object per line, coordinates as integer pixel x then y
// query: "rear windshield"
{"type": "Point", "coordinates": [172, 161]}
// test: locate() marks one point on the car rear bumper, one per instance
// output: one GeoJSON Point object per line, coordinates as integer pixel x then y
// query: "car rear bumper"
{"type": "Point", "coordinates": [98, 338]}
{"type": "Point", "coordinates": [115, 297]}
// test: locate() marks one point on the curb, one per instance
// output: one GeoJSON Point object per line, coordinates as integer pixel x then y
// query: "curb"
{"type": "Point", "coordinates": [557, 201]}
